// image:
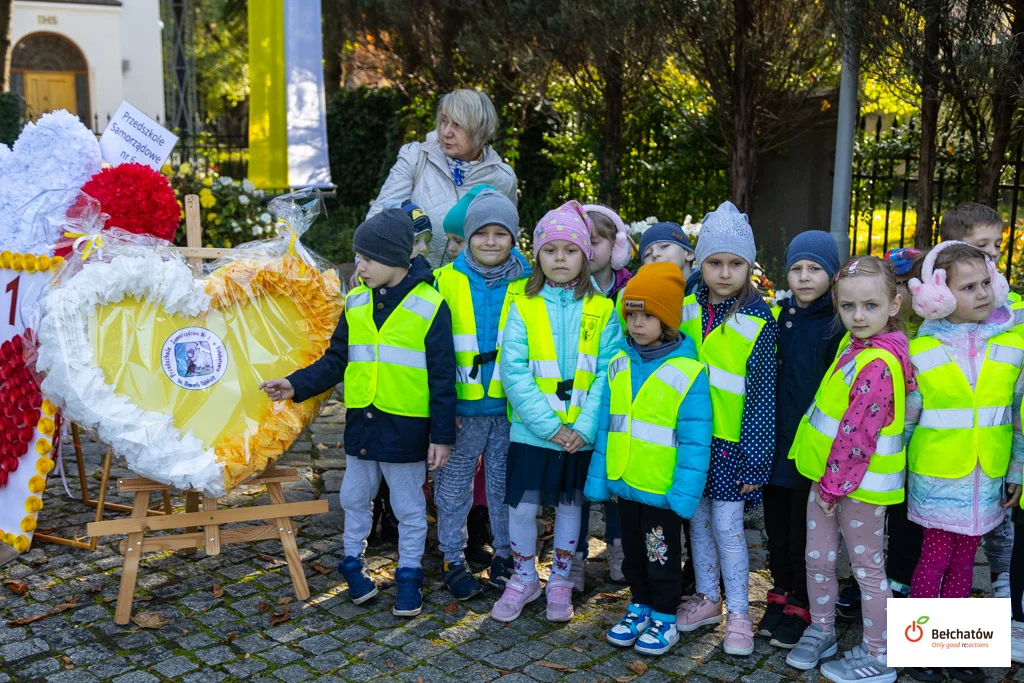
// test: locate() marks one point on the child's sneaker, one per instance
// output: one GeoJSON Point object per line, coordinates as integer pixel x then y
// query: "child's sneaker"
{"type": "Point", "coordinates": [772, 616]}
{"type": "Point", "coordinates": [615, 557]}
{"type": "Point", "coordinates": [460, 582]}
{"type": "Point", "coordinates": [500, 572]}
{"type": "Point", "coordinates": [577, 572]}
{"type": "Point", "coordinates": [517, 594]}
{"type": "Point", "coordinates": [859, 666]}
{"type": "Point", "coordinates": [629, 628]}
{"type": "Point", "coordinates": [967, 674]}
{"type": "Point", "coordinates": [659, 637]}
{"type": "Point", "coordinates": [696, 611]}
{"type": "Point", "coordinates": [559, 593]}
{"type": "Point", "coordinates": [1001, 585]}
{"type": "Point", "coordinates": [848, 602]}
{"type": "Point", "coordinates": [1017, 641]}
{"type": "Point", "coordinates": [795, 620]}
{"type": "Point", "coordinates": [360, 586]}
{"type": "Point", "coordinates": [739, 634]}
{"type": "Point", "coordinates": [409, 600]}
{"type": "Point", "coordinates": [814, 645]}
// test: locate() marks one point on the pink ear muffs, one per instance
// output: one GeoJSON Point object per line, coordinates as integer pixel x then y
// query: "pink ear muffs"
{"type": "Point", "coordinates": [622, 250]}
{"type": "Point", "coordinates": [932, 298]}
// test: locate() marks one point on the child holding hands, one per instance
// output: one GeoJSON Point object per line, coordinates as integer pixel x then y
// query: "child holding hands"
{"type": "Point", "coordinates": [560, 328]}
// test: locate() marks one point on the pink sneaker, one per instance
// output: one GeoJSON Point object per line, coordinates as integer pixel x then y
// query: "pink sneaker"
{"type": "Point", "coordinates": [516, 596]}
{"type": "Point", "coordinates": [559, 592]}
{"type": "Point", "coordinates": [739, 634]}
{"type": "Point", "coordinates": [696, 611]}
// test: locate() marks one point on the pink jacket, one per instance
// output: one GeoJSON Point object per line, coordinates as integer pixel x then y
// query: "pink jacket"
{"type": "Point", "coordinates": [872, 406]}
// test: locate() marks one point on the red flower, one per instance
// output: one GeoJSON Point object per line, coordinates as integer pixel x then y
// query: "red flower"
{"type": "Point", "coordinates": [138, 199]}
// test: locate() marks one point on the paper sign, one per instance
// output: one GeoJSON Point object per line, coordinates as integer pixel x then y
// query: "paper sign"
{"type": "Point", "coordinates": [133, 137]}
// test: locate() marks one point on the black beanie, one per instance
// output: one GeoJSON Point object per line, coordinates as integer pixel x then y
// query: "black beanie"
{"type": "Point", "coordinates": [386, 238]}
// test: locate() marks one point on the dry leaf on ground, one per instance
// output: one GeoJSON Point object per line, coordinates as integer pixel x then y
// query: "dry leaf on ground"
{"type": "Point", "coordinates": [637, 667]}
{"type": "Point", "coordinates": [556, 666]}
{"type": "Point", "coordinates": [280, 617]}
{"type": "Point", "coordinates": [285, 600]}
{"type": "Point", "coordinates": [321, 569]}
{"type": "Point", "coordinates": [16, 587]}
{"type": "Point", "coordinates": [451, 608]}
{"type": "Point", "coordinates": [63, 607]}
{"type": "Point", "coordinates": [154, 620]}
{"type": "Point", "coordinates": [218, 590]}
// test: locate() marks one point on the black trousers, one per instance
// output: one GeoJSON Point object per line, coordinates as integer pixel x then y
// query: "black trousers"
{"type": "Point", "coordinates": [1017, 566]}
{"type": "Point", "coordinates": [652, 554]}
{"type": "Point", "coordinates": [785, 522]}
{"type": "Point", "coordinates": [905, 541]}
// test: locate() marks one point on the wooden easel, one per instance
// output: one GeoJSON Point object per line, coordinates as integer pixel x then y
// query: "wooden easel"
{"type": "Point", "coordinates": [278, 512]}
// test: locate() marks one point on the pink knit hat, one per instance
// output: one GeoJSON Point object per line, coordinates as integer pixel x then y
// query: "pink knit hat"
{"type": "Point", "coordinates": [568, 222]}
{"type": "Point", "coordinates": [622, 250]}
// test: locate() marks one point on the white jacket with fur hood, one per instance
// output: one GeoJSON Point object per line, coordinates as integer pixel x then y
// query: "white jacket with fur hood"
{"type": "Point", "coordinates": [421, 174]}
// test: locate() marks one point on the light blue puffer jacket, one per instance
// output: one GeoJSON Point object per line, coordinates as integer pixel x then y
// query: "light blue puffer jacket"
{"type": "Point", "coordinates": [693, 433]}
{"type": "Point", "coordinates": [533, 421]}
{"type": "Point", "coordinates": [487, 303]}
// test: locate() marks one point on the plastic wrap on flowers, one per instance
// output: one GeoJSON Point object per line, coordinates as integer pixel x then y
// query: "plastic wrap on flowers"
{"type": "Point", "coordinates": [166, 366]}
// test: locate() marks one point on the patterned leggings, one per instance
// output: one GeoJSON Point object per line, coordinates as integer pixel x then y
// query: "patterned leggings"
{"type": "Point", "coordinates": [522, 531]}
{"type": "Point", "coordinates": [946, 567]}
{"type": "Point", "coordinates": [720, 545]}
{"type": "Point", "coordinates": [861, 525]}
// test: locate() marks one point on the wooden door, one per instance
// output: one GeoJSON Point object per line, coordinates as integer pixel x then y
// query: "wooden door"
{"type": "Point", "coordinates": [49, 90]}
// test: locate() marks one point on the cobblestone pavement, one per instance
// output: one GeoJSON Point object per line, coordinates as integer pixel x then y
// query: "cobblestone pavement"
{"type": "Point", "coordinates": [219, 610]}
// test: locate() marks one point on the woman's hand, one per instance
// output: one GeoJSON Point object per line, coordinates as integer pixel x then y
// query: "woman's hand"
{"type": "Point", "coordinates": [278, 389]}
{"type": "Point", "coordinates": [1013, 491]}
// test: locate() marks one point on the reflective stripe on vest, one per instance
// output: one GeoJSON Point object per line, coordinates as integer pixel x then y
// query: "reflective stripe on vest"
{"type": "Point", "coordinates": [724, 353]}
{"type": "Point", "coordinates": [642, 438]}
{"type": "Point", "coordinates": [543, 359]}
{"type": "Point", "coordinates": [960, 426]}
{"type": "Point", "coordinates": [388, 367]}
{"type": "Point", "coordinates": [883, 482]}
{"type": "Point", "coordinates": [454, 287]}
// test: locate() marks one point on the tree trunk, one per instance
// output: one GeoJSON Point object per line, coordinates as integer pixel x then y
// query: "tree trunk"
{"type": "Point", "coordinates": [743, 150]}
{"type": "Point", "coordinates": [6, 18]}
{"type": "Point", "coordinates": [1004, 104]}
{"type": "Point", "coordinates": [611, 69]}
{"type": "Point", "coordinates": [332, 42]}
{"type": "Point", "coordinates": [929, 127]}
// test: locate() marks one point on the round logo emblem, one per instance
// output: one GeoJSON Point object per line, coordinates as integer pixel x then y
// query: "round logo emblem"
{"type": "Point", "coordinates": [194, 358]}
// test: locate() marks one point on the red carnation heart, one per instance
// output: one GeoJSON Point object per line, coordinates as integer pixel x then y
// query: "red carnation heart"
{"type": "Point", "coordinates": [20, 402]}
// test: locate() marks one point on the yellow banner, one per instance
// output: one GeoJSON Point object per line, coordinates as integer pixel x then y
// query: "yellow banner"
{"type": "Point", "coordinates": [268, 127]}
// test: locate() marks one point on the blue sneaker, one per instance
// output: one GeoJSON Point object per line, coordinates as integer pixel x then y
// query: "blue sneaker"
{"type": "Point", "coordinates": [629, 628]}
{"type": "Point", "coordinates": [409, 601]}
{"type": "Point", "coordinates": [460, 582]}
{"type": "Point", "coordinates": [360, 586]}
{"type": "Point", "coordinates": [659, 637]}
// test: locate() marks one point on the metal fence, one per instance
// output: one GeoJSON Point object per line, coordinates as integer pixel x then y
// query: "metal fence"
{"type": "Point", "coordinates": [885, 182]}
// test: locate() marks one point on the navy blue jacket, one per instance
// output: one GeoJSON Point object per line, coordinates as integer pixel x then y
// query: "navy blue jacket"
{"type": "Point", "coordinates": [372, 434]}
{"type": "Point", "coordinates": [808, 341]}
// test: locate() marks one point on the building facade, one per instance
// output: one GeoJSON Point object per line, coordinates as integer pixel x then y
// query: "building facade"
{"type": "Point", "coordinates": [88, 55]}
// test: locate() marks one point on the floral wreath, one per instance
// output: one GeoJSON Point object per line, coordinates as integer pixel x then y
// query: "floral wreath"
{"type": "Point", "coordinates": [150, 441]}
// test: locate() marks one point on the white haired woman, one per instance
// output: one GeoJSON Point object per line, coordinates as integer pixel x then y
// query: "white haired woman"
{"type": "Point", "coordinates": [439, 171]}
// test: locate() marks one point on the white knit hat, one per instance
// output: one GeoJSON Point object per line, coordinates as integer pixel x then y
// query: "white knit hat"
{"type": "Point", "coordinates": [726, 230]}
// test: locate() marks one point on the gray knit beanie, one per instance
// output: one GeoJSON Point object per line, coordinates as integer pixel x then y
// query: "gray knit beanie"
{"type": "Point", "coordinates": [386, 238]}
{"type": "Point", "coordinates": [491, 207]}
{"type": "Point", "coordinates": [726, 230]}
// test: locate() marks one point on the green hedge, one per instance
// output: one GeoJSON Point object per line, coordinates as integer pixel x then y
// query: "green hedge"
{"type": "Point", "coordinates": [12, 117]}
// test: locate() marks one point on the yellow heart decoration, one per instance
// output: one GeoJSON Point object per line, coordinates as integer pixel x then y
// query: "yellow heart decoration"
{"type": "Point", "coordinates": [200, 364]}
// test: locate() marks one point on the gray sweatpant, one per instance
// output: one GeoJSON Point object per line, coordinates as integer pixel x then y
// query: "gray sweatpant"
{"type": "Point", "coordinates": [358, 489]}
{"type": "Point", "coordinates": [453, 485]}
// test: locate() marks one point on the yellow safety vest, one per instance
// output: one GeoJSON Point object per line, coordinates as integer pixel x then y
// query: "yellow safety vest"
{"type": "Point", "coordinates": [544, 360]}
{"type": "Point", "coordinates": [642, 437]}
{"type": "Point", "coordinates": [1018, 317]}
{"type": "Point", "coordinates": [388, 367]}
{"type": "Point", "coordinates": [959, 427]}
{"type": "Point", "coordinates": [883, 482]}
{"type": "Point", "coordinates": [724, 353]}
{"type": "Point", "coordinates": [454, 287]}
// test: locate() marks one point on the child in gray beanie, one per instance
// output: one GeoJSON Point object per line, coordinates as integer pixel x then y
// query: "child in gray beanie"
{"type": "Point", "coordinates": [726, 230]}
